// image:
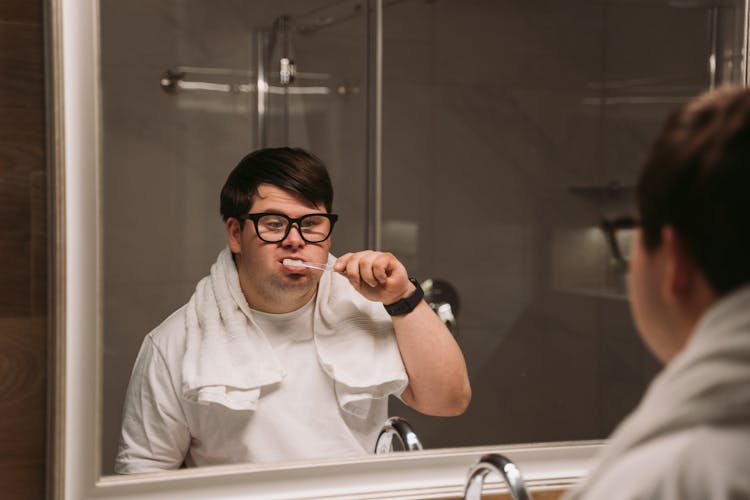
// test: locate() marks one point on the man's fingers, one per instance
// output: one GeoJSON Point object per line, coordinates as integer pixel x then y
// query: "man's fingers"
{"type": "Point", "coordinates": [380, 268]}
{"type": "Point", "coordinates": [368, 269]}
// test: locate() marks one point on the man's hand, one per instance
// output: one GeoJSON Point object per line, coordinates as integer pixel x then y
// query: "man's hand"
{"type": "Point", "coordinates": [378, 276]}
{"type": "Point", "coordinates": [438, 380]}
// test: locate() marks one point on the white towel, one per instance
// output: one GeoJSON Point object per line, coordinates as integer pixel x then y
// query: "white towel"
{"type": "Point", "coordinates": [356, 344]}
{"type": "Point", "coordinates": [228, 358]}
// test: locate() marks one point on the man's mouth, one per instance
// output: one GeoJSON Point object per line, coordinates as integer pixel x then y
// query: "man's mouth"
{"type": "Point", "coordinates": [293, 267]}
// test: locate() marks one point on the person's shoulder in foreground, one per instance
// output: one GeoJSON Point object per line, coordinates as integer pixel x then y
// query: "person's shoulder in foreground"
{"type": "Point", "coordinates": [690, 298]}
{"type": "Point", "coordinates": [703, 463]}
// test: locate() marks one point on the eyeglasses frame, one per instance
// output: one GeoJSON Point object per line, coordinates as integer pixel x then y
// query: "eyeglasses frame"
{"type": "Point", "coordinates": [610, 226]}
{"type": "Point", "coordinates": [298, 220]}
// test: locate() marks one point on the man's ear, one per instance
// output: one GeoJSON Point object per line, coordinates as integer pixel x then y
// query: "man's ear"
{"type": "Point", "coordinates": [679, 267]}
{"type": "Point", "coordinates": [234, 234]}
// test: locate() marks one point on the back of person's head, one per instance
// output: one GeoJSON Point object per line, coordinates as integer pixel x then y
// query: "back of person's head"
{"type": "Point", "coordinates": [291, 169]}
{"type": "Point", "coordinates": [696, 180]}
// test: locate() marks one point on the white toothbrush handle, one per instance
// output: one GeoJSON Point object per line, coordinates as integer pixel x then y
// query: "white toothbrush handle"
{"type": "Point", "coordinates": [320, 267]}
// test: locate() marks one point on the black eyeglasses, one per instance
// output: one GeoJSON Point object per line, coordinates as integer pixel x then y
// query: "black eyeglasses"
{"type": "Point", "coordinates": [273, 227]}
{"type": "Point", "coordinates": [619, 233]}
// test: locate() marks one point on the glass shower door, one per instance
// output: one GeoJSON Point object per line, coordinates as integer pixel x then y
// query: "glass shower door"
{"type": "Point", "coordinates": [509, 130]}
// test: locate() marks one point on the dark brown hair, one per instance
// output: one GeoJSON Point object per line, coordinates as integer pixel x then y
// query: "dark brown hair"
{"type": "Point", "coordinates": [697, 179]}
{"type": "Point", "coordinates": [291, 169]}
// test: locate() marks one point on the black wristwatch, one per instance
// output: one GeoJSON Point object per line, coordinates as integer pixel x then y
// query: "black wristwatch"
{"type": "Point", "coordinates": [407, 304]}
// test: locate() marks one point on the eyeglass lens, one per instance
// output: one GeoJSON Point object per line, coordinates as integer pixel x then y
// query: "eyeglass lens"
{"type": "Point", "coordinates": [313, 228]}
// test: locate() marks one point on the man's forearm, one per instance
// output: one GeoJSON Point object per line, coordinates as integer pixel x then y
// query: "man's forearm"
{"type": "Point", "coordinates": [438, 379]}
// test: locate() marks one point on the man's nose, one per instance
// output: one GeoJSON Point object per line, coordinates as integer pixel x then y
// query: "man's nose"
{"type": "Point", "coordinates": [294, 238]}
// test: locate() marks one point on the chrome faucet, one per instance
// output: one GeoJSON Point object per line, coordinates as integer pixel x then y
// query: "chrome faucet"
{"type": "Point", "coordinates": [507, 470]}
{"type": "Point", "coordinates": [396, 426]}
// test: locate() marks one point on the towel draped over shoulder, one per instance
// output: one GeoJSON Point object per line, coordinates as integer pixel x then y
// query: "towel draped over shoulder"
{"type": "Point", "coordinates": [228, 358]}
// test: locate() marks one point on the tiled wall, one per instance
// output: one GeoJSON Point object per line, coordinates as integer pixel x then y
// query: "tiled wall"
{"type": "Point", "coordinates": [23, 251]}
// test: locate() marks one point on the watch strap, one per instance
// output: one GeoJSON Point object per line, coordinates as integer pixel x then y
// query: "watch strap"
{"type": "Point", "coordinates": [407, 304]}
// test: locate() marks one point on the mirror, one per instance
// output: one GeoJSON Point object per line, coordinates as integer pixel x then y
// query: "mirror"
{"type": "Point", "coordinates": [489, 180]}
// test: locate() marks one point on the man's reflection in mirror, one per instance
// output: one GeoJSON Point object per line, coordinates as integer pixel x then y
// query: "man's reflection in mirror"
{"type": "Point", "coordinates": [284, 351]}
{"type": "Point", "coordinates": [689, 438]}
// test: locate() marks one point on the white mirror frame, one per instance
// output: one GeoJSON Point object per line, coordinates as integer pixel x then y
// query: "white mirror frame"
{"type": "Point", "coordinates": [73, 43]}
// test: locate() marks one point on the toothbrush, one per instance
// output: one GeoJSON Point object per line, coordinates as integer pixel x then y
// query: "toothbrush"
{"type": "Point", "coordinates": [311, 265]}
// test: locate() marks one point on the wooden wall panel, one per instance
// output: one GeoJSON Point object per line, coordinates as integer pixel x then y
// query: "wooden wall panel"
{"type": "Point", "coordinates": [21, 151]}
{"type": "Point", "coordinates": [23, 251]}
{"type": "Point", "coordinates": [22, 406]}
{"type": "Point", "coordinates": [21, 11]}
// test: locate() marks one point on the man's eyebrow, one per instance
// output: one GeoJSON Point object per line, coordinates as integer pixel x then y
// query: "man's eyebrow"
{"type": "Point", "coordinates": [274, 210]}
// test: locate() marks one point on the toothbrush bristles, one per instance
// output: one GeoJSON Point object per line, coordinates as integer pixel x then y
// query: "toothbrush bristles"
{"type": "Point", "coordinates": [312, 265]}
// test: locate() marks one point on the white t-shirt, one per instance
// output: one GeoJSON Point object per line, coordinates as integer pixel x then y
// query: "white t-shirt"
{"type": "Point", "coordinates": [301, 417]}
{"type": "Point", "coordinates": [298, 418]}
